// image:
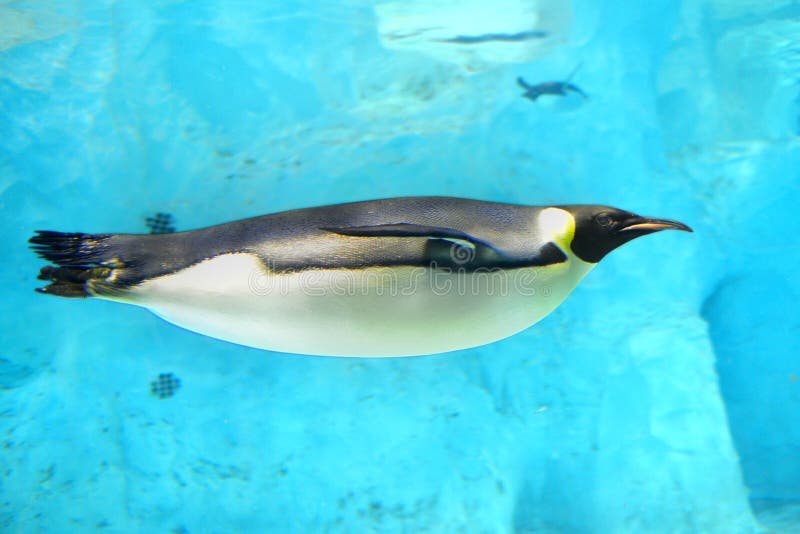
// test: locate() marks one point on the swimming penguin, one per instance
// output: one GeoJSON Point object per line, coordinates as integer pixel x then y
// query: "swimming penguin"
{"type": "Point", "coordinates": [532, 92]}
{"type": "Point", "coordinates": [558, 88]}
{"type": "Point", "coordinates": [392, 277]}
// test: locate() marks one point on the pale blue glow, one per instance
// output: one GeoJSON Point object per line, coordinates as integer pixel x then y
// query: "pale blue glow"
{"type": "Point", "coordinates": [663, 396]}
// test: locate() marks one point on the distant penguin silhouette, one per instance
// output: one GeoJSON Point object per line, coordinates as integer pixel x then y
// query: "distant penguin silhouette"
{"type": "Point", "coordinates": [532, 92]}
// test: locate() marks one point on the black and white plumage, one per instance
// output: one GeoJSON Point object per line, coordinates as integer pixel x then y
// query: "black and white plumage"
{"type": "Point", "coordinates": [391, 277]}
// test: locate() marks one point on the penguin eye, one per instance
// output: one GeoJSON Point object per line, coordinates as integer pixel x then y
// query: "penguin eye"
{"type": "Point", "coordinates": [604, 219]}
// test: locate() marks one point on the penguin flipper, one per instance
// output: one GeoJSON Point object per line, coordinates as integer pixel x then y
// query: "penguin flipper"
{"type": "Point", "coordinates": [456, 248]}
{"type": "Point", "coordinates": [572, 87]}
{"type": "Point", "coordinates": [412, 230]}
{"type": "Point", "coordinates": [444, 247]}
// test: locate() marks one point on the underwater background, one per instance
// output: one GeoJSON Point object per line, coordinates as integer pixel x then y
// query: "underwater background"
{"type": "Point", "coordinates": [662, 396]}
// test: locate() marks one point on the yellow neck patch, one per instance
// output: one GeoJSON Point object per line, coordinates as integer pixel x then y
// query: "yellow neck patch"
{"type": "Point", "coordinates": [559, 226]}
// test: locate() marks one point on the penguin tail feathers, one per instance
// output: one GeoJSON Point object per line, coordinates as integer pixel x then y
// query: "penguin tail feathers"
{"type": "Point", "coordinates": [70, 249]}
{"type": "Point", "coordinates": [84, 264]}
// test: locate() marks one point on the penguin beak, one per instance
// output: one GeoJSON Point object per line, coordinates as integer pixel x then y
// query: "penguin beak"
{"type": "Point", "coordinates": [649, 225]}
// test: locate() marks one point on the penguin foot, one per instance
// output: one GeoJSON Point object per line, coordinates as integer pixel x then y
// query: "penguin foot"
{"type": "Point", "coordinates": [83, 263]}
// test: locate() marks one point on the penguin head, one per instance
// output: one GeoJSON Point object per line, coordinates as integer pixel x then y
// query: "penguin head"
{"type": "Point", "coordinates": [601, 229]}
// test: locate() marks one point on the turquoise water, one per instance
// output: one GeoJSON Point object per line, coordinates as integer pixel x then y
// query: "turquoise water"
{"type": "Point", "coordinates": [662, 396]}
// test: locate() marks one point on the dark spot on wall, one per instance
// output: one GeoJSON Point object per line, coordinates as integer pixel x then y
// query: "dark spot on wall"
{"type": "Point", "coordinates": [165, 386]}
{"type": "Point", "coordinates": [161, 223]}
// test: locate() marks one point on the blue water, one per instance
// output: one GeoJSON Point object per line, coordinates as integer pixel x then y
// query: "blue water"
{"type": "Point", "coordinates": [662, 396]}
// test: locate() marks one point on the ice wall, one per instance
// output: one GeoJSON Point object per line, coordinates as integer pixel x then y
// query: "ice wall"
{"type": "Point", "coordinates": [745, 158]}
{"type": "Point", "coordinates": [606, 417]}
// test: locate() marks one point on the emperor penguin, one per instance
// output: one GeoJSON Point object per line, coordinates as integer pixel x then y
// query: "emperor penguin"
{"type": "Point", "coordinates": [390, 277]}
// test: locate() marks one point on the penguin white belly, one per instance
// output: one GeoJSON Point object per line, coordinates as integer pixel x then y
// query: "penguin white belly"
{"type": "Point", "coordinates": [377, 311]}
